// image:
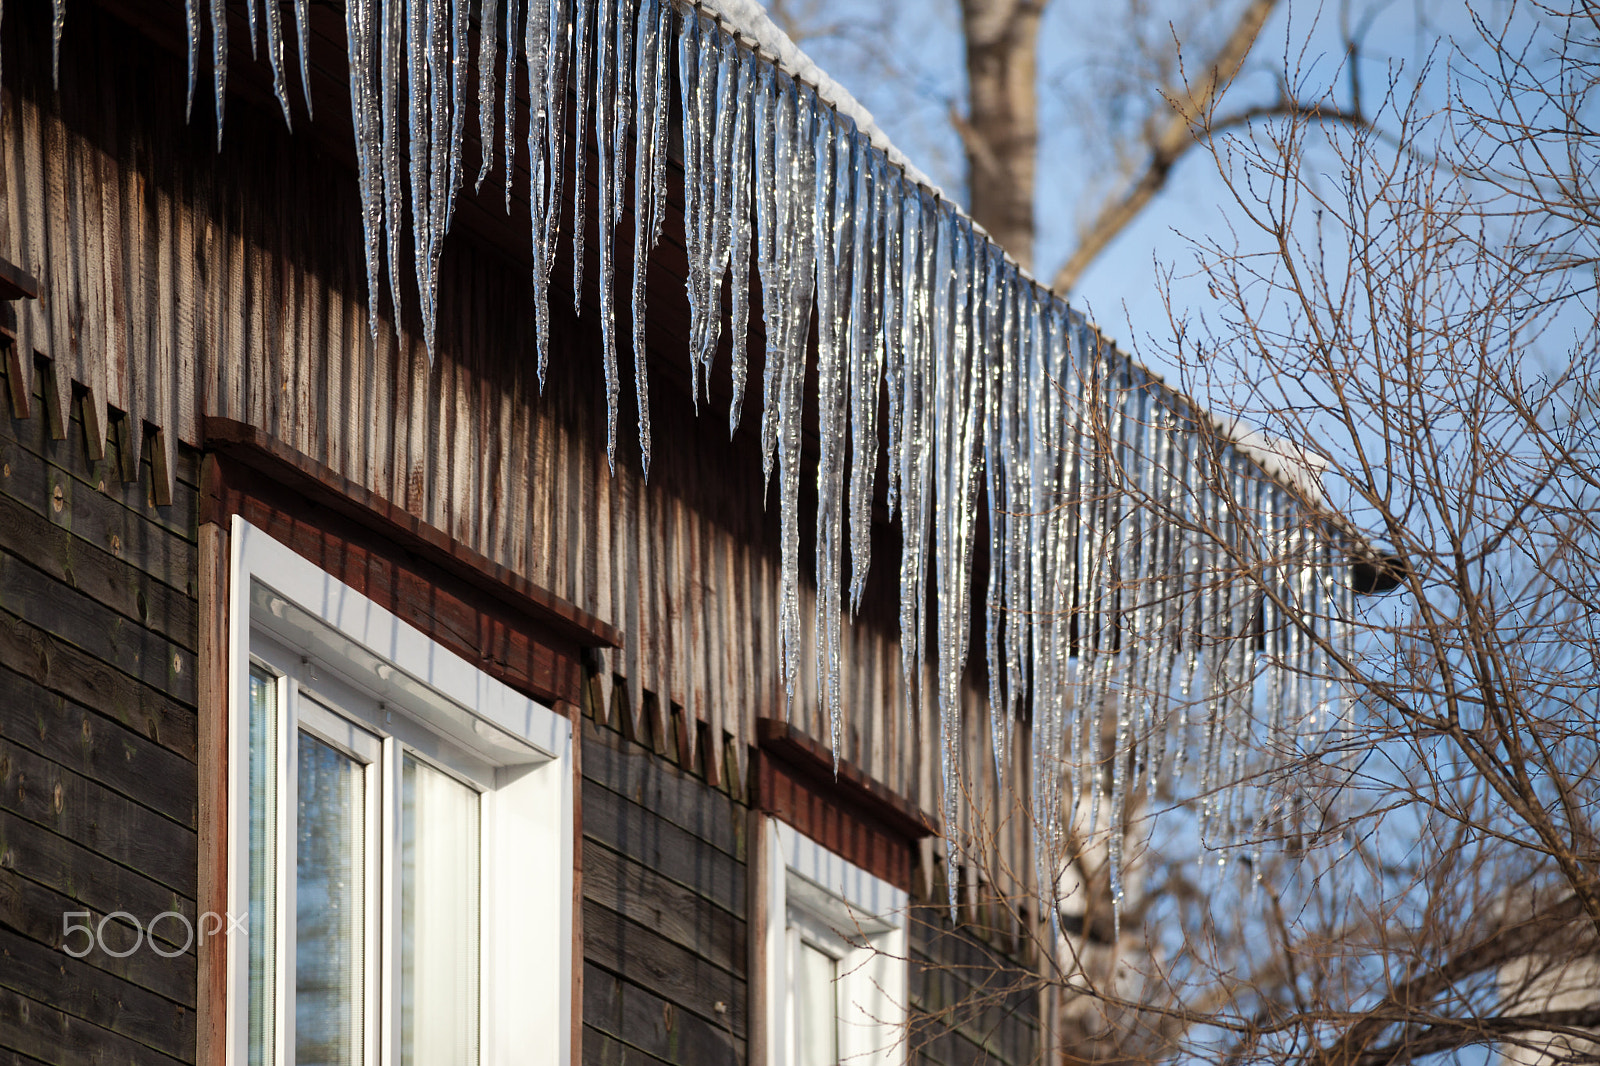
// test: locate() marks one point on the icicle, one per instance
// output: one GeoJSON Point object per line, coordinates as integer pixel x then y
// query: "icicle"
{"type": "Point", "coordinates": [796, 263]}
{"type": "Point", "coordinates": [920, 275]}
{"type": "Point", "coordinates": [993, 362]}
{"type": "Point", "coordinates": [250, 12]}
{"type": "Point", "coordinates": [650, 160]}
{"type": "Point", "coordinates": [605, 129]}
{"type": "Point", "coordinates": [1046, 607]}
{"type": "Point", "coordinates": [718, 61]}
{"type": "Point", "coordinates": [391, 74]}
{"type": "Point", "coordinates": [419, 144]}
{"type": "Point", "coordinates": [960, 413]}
{"type": "Point", "coordinates": [219, 59]}
{"type": "Point", "coordinates": [558, 46]}
{"type": "Point", "coordinates": [508, 101]}
{"type": "Point", "coordinates": [866, 360]}
{"type": "Point", "coordinates": [621, 111]}
{"type": "Point", "coordinates": [191, 25]}
{"type": "Point", "coordinates": [360, 24]}
{"type": "Point", "coordinates": [488, 53]}
{"type": "Point", "coordinates": [833, 208]}
{"type": "Point", "coordinates": [58, 26]}
{"type": "Point", "coordinates": [892, 319]}
{"type": "Point", "coordinates": [543, 37]}
{"type": "Point", "coordinates": [582, 63]}
{"type": "Point", "coordinates": [739, 235]}
{"type": "Point", "coordinates": [773, 113]}
{"type": "Point", "coordinates": [302, 32]}
{"type": "Point", "coordinates": [274, 15]}
{"type": "Point", "coordinates": [697, 86]}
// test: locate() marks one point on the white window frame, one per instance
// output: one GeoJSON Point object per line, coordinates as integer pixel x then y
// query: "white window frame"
{"type": "Point", "coordinates": [817, 895]}
{"type": "Point", "coordinates": [517, 750]}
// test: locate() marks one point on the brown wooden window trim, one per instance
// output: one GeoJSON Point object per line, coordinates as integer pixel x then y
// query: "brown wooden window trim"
{"type": "Point", "coordinates": [852, 814]}
{"type": "Point", "coordinates": [512, 629]}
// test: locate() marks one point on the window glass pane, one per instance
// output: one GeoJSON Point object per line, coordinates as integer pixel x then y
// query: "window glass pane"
{"type": "Point", "coordinates": [263, 862]}
{"type": "Point", "coordinates": [439, 918]}
{"type": "Point", "coordinates": [329, 906]}
{"type": "Point", "coordinates": [816, 1018]}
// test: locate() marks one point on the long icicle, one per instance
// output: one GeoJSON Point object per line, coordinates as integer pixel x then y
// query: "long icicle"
{"type": "Point", "coordinates": [649, 72]}
{"type": "Point", "coordinates": [488, 54]}
{"type": "Point", "coordinates": [361, 26]}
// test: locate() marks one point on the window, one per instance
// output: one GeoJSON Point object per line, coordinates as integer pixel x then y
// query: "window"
{"type": "Point", "coordinates": [836, 958]}
{"type": "Point", "coordinates": [400, 844]}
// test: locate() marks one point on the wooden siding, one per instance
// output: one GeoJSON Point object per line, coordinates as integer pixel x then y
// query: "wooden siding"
{"type": "Point", "coordinates": [970, 1004]}
{"type": "Point", "coordinates": [664, 885]}
{"type": "Point", "coordinates": [98, 636]}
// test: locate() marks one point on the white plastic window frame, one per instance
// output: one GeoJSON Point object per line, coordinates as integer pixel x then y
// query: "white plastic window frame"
{"type": "Point", "coordinates": [817, 894]}
{"type": "Point", "coordinates": [525, 905]}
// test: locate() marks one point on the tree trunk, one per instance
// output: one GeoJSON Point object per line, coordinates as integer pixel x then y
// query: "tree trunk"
{"type": "Point", "coordinates": [1001, 130]}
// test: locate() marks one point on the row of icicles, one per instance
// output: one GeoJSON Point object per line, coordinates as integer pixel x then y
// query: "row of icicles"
{"type": "Point", "coordinates": [1116, 531]}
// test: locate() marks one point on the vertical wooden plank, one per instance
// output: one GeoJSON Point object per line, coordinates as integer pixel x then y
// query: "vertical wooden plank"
{"type": "Point", "coordinates": [759, 892]}
{"type": "Point", "coordinates": [58, 278]}
{"type": "Point", "coordinates": [213, 808]}
{"type": "Point", "coordinates": [19, 243]}
{"type": "Point", "coordinates": [575, 716]}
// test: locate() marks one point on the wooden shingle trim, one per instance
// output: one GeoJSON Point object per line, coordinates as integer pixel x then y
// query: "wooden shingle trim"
{"type": "Point", "coordinates": [251, 447]}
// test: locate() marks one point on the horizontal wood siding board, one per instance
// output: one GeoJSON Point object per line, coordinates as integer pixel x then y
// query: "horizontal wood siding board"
{"type": "Point", "coordinates": [677, 912]}
{"type": "Point", "coordinates": [109, 824]}
{"type": "Point", "coordinates": [626, 1014]}
{"type": "Point", "coordinates": [95, 518]}
{"type": "Point", "coordinates": [88, 877]}
{"type": "Point", "coordinates": [686, 801]}
{"type": "Point", "coordinates": [81, 991]}
{"type": "Point", "coordinates": [673, 852]}
{"type": "Point", "coordinates": [643, 957]}
{"type": "Point", "coordinates": [57, 665]}
{"type": "Point", "coordinates": [99, 575]}
{"type": "Point", "coordinates": [110, 638]}
{"type": "Point", "coordinates": [603, 1049]}
{"type": "Point", "coordinates": [34, 911]}
{"type": "Point", "coordinates": [57, 1038]}
{"type": "Point", "coordinates": [99, 747]}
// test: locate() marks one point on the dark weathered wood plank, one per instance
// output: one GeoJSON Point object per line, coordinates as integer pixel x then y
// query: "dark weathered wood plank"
{"type": "Point", "coordinates": [630, 770]}
{"type": "Point", "coordinates": [34, 911]}
{"type": "Point", "coordinates": [602, 1049]}
{"type": "Point", "coordinates": [29, 593]}
{"type": "Point", "coordinates": [91, 879]}
{"type": "Point", "coordinates": [625, 827]}
{"type": "Point", "coordinates": [94, 996]}
{"type": "Point", "coordinates": [97, 818]}
{"type": "Point", "coordinates": [54, 664]}
{"type": "Point", "coordinates": [647, 1023]}
{"type": "Point", "coordinates": [99, 575]}
{"type": "Point", "coordinates": [96, 747]}
{"type": "Point", "coordinates": [95, 517]}
{"type": "Point", "coordinates": [59, 1039]}
{"type": "Point", "coordinates": [627, 948]}
{"type": "Point", "coordinates": [675, 911]}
